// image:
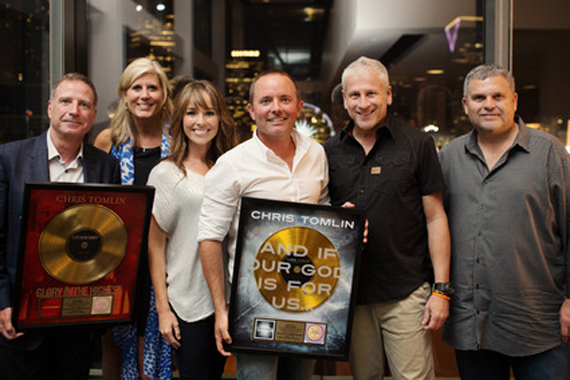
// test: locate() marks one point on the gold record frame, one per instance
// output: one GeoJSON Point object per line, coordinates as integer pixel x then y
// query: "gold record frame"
{"type": "Point", "coordinates": [80, 245]}
{"type": "Point", "coordinates": [292, 287]}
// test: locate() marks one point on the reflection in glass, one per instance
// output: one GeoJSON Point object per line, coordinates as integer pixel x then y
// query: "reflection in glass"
{"type": "Point", "coordinates": [427, 72]}
{"type": "Point", "coordinates": [24, 73]}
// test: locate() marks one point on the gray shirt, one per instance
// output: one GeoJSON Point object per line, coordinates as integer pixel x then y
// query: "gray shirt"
{"type": "Point", "coordinates": [509, 232]}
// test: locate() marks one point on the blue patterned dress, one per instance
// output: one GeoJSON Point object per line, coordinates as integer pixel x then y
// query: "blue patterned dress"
{"type": "Point", "coordinates": [157, 352]}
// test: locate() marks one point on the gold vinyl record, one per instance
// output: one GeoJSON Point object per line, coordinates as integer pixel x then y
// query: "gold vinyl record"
{"type": "Point", "coordinates": [297, 269]}
{"type": "Point", "coordinates": [82, 244]}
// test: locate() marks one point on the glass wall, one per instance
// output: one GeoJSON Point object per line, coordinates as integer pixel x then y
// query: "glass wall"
{"type": "Point", "coordinates": [541, 52]}
{"type": "Point", "coordinates": [24, 68]}
{"type": "Point", "coordinates": [427, 71]}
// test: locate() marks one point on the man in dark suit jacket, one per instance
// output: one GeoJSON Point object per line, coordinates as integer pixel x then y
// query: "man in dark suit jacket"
{"type": "Point", "coordinates": [57, 155]}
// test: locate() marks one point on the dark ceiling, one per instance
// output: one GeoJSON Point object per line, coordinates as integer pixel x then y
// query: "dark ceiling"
{"type": "Point", "coordinates": [289, 33]}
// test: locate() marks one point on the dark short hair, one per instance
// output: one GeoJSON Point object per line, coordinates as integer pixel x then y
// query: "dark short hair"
{"type": "Point", "coordinates": [71, 77]}
{"type": "Point", "coordinates": [485, 71]}
{"type": "Point", "coordinates": [271, 72]}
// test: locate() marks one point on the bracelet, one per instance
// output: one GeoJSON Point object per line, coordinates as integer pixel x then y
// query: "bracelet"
{"type": "Point", "coordinates": [441, 295]}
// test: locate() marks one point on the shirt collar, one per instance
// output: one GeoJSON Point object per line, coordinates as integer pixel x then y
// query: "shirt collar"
{"type": "Point", "coordinates": [387, 128]}
{"type": "Point", "coordinates": [301, 144]}
{"type": "Point", "coordinates": [53, 153]}
{"type": "Point", "coordinates": [522, 140]}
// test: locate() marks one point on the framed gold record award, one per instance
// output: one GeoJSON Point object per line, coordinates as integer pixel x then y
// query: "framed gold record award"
{"type": "Point", "coordinates": [293, 284]}
{"type": "Point", "coordinates": [80, 247]}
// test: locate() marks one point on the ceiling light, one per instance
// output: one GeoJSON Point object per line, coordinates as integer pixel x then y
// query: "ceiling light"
{"type": "Point", "coordinates": [139, 8]}
{"type": "Point", "coordinates": [311, 14]}
{"type": "Point", "coordinates": [160, 7]}
{"type": "Point", "coordinates": [435, 71]}
{"type": "Point", "coordinates": [245, 53]}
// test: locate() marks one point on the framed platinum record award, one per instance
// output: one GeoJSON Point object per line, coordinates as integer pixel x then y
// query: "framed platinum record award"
{"type": "Point", "coordinates": [293, 286]}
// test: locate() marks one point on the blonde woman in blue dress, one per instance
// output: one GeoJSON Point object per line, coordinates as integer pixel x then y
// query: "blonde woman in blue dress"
{"type": "Point", "coordinates": [202, 129]}
{"type": "Point", "coordinates": [138, 137]}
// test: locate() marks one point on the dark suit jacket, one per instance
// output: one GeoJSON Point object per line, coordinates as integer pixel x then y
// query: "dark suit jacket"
{"type": "Point", "coordinates": [26, 161]}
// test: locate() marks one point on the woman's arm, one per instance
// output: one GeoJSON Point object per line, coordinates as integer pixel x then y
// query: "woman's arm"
{"type": "Point", "coordinates": [167, 322]}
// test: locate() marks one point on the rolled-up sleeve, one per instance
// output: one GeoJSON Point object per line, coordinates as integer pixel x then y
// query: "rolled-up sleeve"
{"type": "Point", "coordinates": [221, 201]}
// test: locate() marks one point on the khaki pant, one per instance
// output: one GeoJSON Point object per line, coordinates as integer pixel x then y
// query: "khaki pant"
{"type": "Point", "coordinates": [394, 328]}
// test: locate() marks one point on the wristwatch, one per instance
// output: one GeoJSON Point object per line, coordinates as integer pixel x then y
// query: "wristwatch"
{"type": "Point", "coordinates": [444, 288]}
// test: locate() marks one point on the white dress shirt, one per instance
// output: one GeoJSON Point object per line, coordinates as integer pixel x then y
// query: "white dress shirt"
{"type": "Point", "coordinates": [253, 170]}
{"type": "Point", "coordinates": [59, 170]}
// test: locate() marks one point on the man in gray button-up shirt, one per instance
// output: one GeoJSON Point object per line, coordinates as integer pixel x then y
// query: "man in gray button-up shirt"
{"type": "Point", "coordinates": [508, 203]}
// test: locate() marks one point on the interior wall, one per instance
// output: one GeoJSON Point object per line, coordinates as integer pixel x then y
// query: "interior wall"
{"type": "Point", "coordinates": [543, 14]}
{"type": "Point", "coordinates": [371, 27]}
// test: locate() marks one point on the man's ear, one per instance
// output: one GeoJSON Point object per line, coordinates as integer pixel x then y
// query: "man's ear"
{"type": "Point", "coordinates": [250, 110]}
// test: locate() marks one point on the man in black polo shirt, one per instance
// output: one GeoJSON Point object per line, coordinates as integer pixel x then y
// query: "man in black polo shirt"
{"type": "Point", "coordinates": [391, 170]}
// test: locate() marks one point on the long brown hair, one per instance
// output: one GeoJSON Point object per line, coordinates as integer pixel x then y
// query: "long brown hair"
{"type": "Point", "coordinates": [194, 93]}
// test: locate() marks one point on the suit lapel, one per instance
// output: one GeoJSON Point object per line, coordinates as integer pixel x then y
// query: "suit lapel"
{"type": "Point", "coordinates": [89, 171]}
{"type": "Point", "coordinates": [39, 159]}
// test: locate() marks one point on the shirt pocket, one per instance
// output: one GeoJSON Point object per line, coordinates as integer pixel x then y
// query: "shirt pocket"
{"type": "Point", "coordinates": [341, 164]}
{"type": "Point", "coordinates": [392, 174]}
{"type": "Point", "coordinates": [343, 170]}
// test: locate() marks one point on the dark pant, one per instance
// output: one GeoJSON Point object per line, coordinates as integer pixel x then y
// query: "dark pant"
{"type": "Point", "coordinates": [198, 357]}
{"type": "Point", "coordinates": [60, 356]}
{"type": "Point", "coordinates": [553, 364]}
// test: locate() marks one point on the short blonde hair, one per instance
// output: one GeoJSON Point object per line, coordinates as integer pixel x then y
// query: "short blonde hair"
{"type": "Point", "coordinates": [365, 63]}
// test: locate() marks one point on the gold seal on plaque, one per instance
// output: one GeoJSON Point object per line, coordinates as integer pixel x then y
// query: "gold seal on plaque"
{"type": "Point", "coordinates": [296, 269]}
{"type": "Point", "coordinates": [82, 244]}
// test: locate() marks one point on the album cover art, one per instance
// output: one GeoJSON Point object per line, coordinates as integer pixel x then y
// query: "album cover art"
{"type": "Point", "coordinates": [80, 246]}
{"type": "Point", "coordinates": [292, 287]}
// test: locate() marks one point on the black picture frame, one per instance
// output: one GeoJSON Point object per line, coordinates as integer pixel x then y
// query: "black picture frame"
{"type": "Point", "coordinates": [293, 286]}
{"type": "Point", "coordinates": [79, 254]}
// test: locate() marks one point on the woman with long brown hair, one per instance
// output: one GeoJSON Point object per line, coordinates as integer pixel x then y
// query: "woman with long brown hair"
{"type": "Point", "coordinates": [202, 129]}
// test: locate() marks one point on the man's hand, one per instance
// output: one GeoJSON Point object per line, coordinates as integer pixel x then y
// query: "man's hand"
{"type": "Point", "coordinates": [348, 204]}
{"type": "Point", "coordinates": [565, 320]}
{"type": "Point", "coordinates": [222, 333]}
{"type": "Point", "coordinates": [6, 327]}
{"type": "Point", "coordinates": [169, 328]}
{"type": "Point", "coordinates": [436, 312]}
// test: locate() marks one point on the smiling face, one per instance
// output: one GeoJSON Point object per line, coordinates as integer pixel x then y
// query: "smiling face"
{"type": "Point", "coordinates": [201, 124]}
{"type": "Point", "coordinates": [490, 104]}
{"type": "Point", "coordinates": [72, 110]}
{"type": "Point", "coordinates": [275, 107]}
{"type": "Point", "coordinates": [366, 99]}
{"type": "Point", "coordinates": [144, 98]}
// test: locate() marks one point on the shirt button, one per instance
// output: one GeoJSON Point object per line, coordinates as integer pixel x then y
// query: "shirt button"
{"type": "Point", "coordinates": [477, 286]}
{"type": "Point", "coordinates": [477, 260]}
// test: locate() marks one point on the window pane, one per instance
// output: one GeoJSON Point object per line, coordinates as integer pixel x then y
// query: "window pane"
{"type": "Point", "coordinates": [24, 77]}
{"type": "Point", "coordinates": [427, 71]}
{"type": "Point", "coordinates": [541, 52]}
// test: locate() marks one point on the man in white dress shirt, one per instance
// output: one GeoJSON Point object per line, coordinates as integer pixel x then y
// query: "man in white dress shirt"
{"type": "Point", "coordinates": [277, 163]}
